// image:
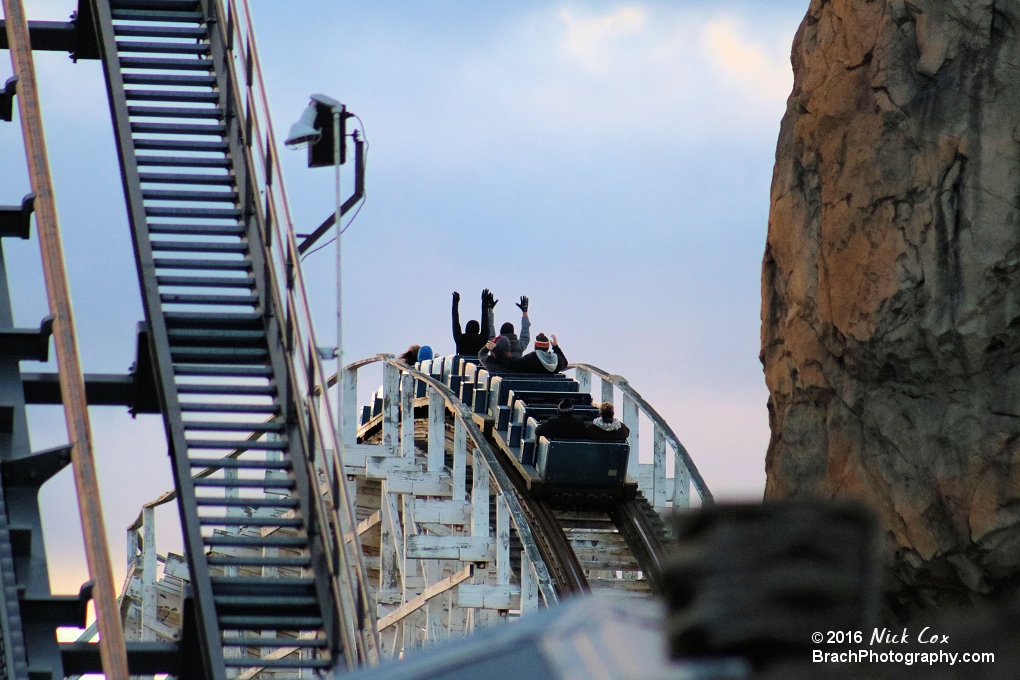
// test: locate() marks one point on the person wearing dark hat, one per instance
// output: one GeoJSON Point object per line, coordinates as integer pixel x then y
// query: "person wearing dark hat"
{"type": "Point", "coordinates": [517, 344]}
{"type": "Point", "coordinates": [563, 425]}
{"type": "Point", "coordinates": [606, 428]}
{"type": "Point", "coordinates": [547, 358]}
{"type": "Point", "coordinates": [495, 352]}
{"type": "Point", "coordinates": [471, 340]}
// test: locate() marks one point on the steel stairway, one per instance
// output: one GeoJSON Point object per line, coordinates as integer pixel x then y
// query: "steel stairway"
{"type": "Point", "coordinates": [264, 596]}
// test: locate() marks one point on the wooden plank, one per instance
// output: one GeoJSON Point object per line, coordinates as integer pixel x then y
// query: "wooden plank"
{"type": "Point", "coordinates": [72, 381]}
{"type": "Point", "coordinates": [148, 572]}
{"type": "Point", "coordinates": [378, 467]}
{"type": "Point", "coordinates": [502, 541]}
{"type": "Point", "coordinates": [363, 526]}
{"type": "Point", "coordinates": [529, 585]}
{"type": "Point", "coordinates": [681, 486]}
{"type": "Point", "coordinates": [463, 548]}
{"type": "Point", "coordinates": [443, 512]}
{"type": "Point", "coordinates": [607, 391]}
{"type": "Point", "coordinates": [630, 419]}
{"type": "Point", "coordinates": [349, 408]}
{"type": "Point", "coordinates": [390, 547]}
{"type": "Point", "coordinates": [459, 460]}
{"type": "Point", "coordinates": [407, 416]}
{"type": "Point", "coordinates": [430, 592]}
{"type": "Point", "coordinates": [479, 496]}
{"type": "Point", "coordinates": [583, 378]}
{"type": "Point", "coordinates": [419, 483]}
{"type": "Point", "coordinates": [391, 405]}
{"type": "Point", "coordinates": [659, 489]}
{"type": "Point", "coordinates": [437, 430]}
{"type": "Point", "coordinates": [488, 596]}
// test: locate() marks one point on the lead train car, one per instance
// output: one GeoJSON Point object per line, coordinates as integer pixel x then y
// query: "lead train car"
{"type": "Point", "coordinates": [510, 406]}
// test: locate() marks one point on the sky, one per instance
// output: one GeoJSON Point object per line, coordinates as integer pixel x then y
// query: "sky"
{"type": "Point", "coordinates": [609, 160]}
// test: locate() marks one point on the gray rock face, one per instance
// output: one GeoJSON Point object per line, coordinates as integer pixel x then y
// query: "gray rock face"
{"type": "Point", "coordinates": [891, 285]}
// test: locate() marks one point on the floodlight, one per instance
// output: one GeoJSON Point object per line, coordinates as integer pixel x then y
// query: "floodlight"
{"type": "Point", "coordinates": [303, 132]}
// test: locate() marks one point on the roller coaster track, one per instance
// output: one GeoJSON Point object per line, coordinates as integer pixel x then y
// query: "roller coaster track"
{"type": "Point", "coordinates": [613, 548]}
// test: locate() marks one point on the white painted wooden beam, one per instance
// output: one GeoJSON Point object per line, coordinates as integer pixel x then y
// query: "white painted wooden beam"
{"type": "Point", "coordinates": [437, 430]}
{"type": "Point", "coordinates": [420, 601]}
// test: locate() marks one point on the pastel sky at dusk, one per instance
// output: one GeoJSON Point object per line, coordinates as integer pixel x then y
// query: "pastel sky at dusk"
{"type": "Point", "coordinates": [609, 160]}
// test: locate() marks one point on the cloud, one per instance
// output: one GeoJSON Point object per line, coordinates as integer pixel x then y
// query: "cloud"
{"type": "Point", "coordinates": [747, 62]}
{"type": "Point", "coordinates": [588, 37]}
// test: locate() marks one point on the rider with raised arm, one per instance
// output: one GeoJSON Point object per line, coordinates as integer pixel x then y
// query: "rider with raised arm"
{"type": "Point", "coordinates": [471, 340]}
{"type": "Point", "coordinates": [517, 344]}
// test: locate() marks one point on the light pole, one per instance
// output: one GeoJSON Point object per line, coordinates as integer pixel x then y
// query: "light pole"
{"type": "Point", "coordinates": [311, 131]}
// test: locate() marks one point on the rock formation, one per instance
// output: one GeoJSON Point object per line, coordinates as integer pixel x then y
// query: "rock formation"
{"type": "Point", "coordinates": [891, 285]}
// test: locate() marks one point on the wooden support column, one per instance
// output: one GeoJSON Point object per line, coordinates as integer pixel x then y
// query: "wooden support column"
{"type": "Point", "coordinates": [437, 430]}
{"type": "Point", "coordinates": [72, 383]}
{"type": "Point", "coordinates": [391, 405]}
{"type": "Point", "coordinates": [583, 377]}
{"type": "Point", "coordinates": [681, 486]}
{"type": "Point", "coordinates": [607, 391]}
{"type": "Point", "coordinates": [630, 419]}
{"type": "Point", "coordinates": [659, 497]}
{"type": "Point", "coordinates": [479, 496]}
{"type": "Point", "coordinates": [348, 408]}
{"type": "Point", "coordinates": [407, 416]}
{"type": "Point", "coordinates": [459, 460]}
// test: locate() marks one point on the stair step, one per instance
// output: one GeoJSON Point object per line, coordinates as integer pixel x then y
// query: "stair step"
{"type": "Point", "coordinates": [178, 178]}
{"type": "Point", "coordinates": [227, 371]}
{"type": "Point", "coordinates": [176, 5]}
{"type": "Point", "coordinates": [207, 320]}
{"type": "Point", "coordinates": [267, 601]}
{"type": "Point", "coordinates": [179, 145]}
{"type": "Point", "coordinates": [197, 229]}
{"type": "Point", "coordinates": [207, 213]}
{"type": "Point", "coordinates": [221, 583]}
{"type": "Point", "coordinates": [268, 390]}
{"type": "Point", "coordinates": [162, 47]}
{"type": "Point", "coordinates": [221, 355]}
{"type": "Point", "coordinates": [286, 662]}
{"type": "Point", "coordinates": [194, 407]}
{"type": "Point", "coordinates": [283, 502]}
{"type": "Point", "coordinates": [279, 445]}
{"type": "Point", "coordinates": [186, 195]}
{"type": "Point", "coordinates": [215, 336]}
{"type": "Point", "coordinates": [207, 281]}
{"type": "Point", "coordinates": [165, 80]}
{"type": "Point", "coordinates": [267, 622]}
{"type": "Point", "coordinates": [274, 642]}
{"type": "Point", "coordinates": [175, 112]}
{"type": "Point", "coordinates": [168, 64]}
{"type": "Point", "coordinates": [159, 31]}
{"type": "Point", "coordinates": [157, 15]}
{"type": "Point", "coordinates": [200, 246]}
{"type": "Point", "coordinates": [170, 96]}
{"type": "Point", "coordinates": [234, 561]}
{"type": "Point", "coordinates": [182, 299]}
{"type": "Point", "coordinates": [183, 263]}
{"type": "Point", "coordinates": [239, 463]}
{"type": "Point", "coordinates": [178, 129]}
{"type": "Point", "coordinates": [232, 426]}
{"type": "Point", "coordinates": [182, 161]}
{"type": "Point", "coordinates": [259, 541]}
{"type": "Point", "coordinates": [245, 483]}
{"type": "Point", "coordinates": [245, 521]}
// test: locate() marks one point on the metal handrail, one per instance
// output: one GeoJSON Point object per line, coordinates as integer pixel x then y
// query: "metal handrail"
{"type": "Point", "coordinates": [307, 373]}
{"type": "Point", "coordinates": [681, 452]}
{"type": "Point", "coordinates": [503, 483]}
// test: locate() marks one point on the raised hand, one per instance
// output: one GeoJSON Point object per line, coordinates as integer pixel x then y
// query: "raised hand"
{"type": "Point", "coordinates": [554, 340]}
{"type": "Point", "coordinates": [490, 345]}
{"type": "Point", "coordinates": [523, 304]}
{"type": "Point", "coordinates": [456, 297]}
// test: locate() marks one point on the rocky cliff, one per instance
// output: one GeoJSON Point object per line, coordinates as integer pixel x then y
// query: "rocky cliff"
{"type": "Point", "coordinates": [891, 285]}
